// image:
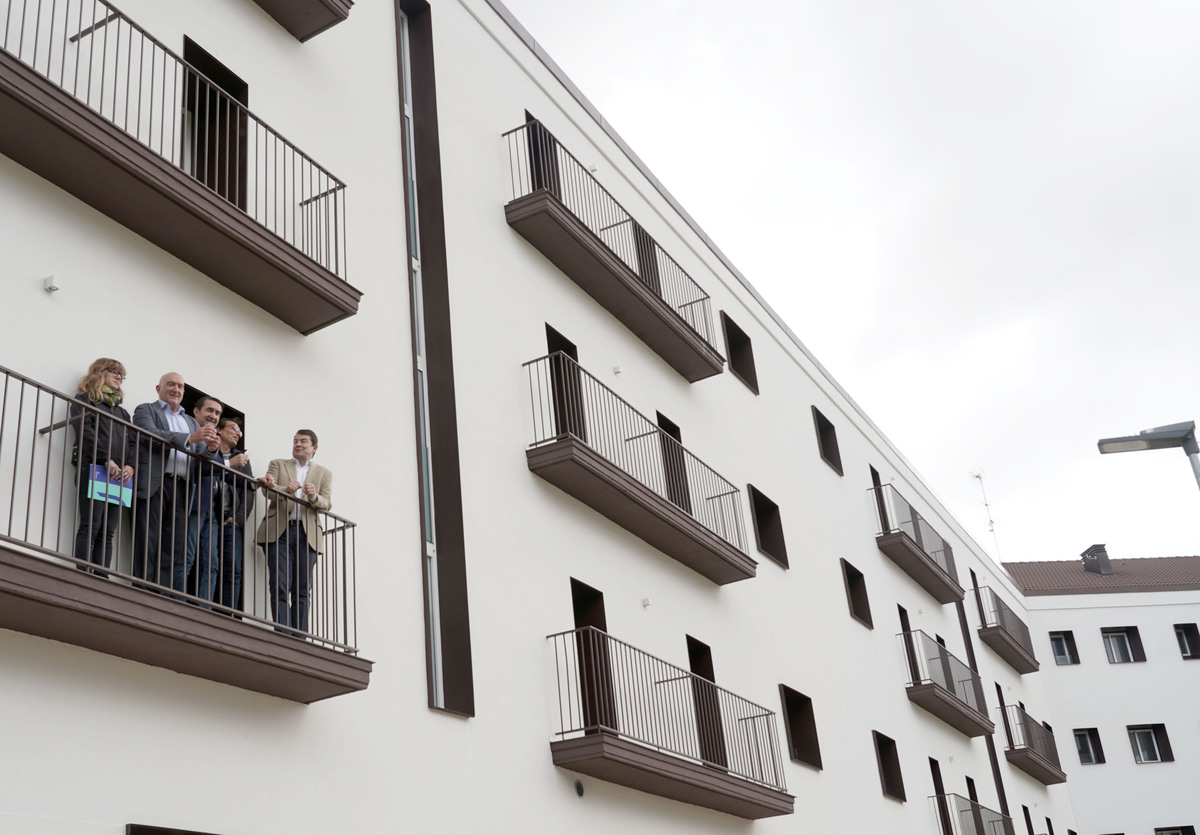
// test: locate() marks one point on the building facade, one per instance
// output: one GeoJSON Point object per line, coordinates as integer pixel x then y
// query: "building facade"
{"type": "Point", "coordinates": [1119, 638]}
{"type": "Point", "coordinates": [608, 548]}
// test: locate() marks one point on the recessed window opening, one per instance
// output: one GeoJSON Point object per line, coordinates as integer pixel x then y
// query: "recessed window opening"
{"type": "Point", "coordinates": [768, 527]}
{"type": "Point", "coordinates": [856, 594]}
{"type": "Point", "coordinates": [1150, 743]}
{"type": "Point", "coordinates": [1189, 640]}
{"type": "Point", "coordinates": [1063, 646]}
{"type": "Point", "coordinates": [888, 759]}
{"type": "Point", "coordinates": [215, 125]}
{"type": "Point", "coordinates": [1176, 830]}
{"type": "Point", "coordinates": [1087, 743]}
{"type": "Point", "coordinates": [801, 726]}
{"type": "Point", "coordinates": [740, 352]}
{"type": "Point", "coordinates": [1123, 644]}
{"type": "Point", "coordinates": [827, 442]}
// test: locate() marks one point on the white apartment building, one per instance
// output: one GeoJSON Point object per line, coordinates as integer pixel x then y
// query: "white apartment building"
{"type": "Point", "coordinates": [1118, 638]}
{"type": "Point", "coordinates": [608, 549]}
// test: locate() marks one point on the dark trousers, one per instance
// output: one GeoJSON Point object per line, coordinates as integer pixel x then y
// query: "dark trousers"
{"type": "Point", "coordinates": [290, 564]}
{"type": "Point", "coordinates": [98, 521]}
{"type": "Point", "coordinates": [160, 535]}
{"type": "Point", "coordinates": [229, 589]}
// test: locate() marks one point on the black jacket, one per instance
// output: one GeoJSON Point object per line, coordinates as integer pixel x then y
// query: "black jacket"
{"type": "Point", "coordinates": [100, 439]}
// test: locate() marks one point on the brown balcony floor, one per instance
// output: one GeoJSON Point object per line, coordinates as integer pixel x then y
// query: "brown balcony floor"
{"type": "Point", "coordinates": [1035, 765]}
{"type": "Point", "coordinates": [950, 709]}
{"type": "Point", "coordinates": [545, 222]}
{"type": "Point", "coordinates": [608, 757]}
{"type": "Point", "coordinates": [1009, 648]}
{"type": "Point", "coordinates": [59, 138]}
{"type": "Point", "coordinates": [900, 549]}
{"type": "Point", "coordinates": [577, 469]}
{"type": "Point", "coordinates": [51, 600]}
{"type": "Point", "coordinates": [307, 18]}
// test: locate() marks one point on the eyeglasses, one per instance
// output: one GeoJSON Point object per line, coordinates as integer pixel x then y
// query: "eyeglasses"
{"type": "Point", "coordinates": [115, 373]}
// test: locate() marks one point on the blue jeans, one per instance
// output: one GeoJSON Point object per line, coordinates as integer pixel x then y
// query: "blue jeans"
{"type": "Point", "coordinates": [290, 564]}
{"type": "Point", "coordinates": [229, 589]}
{"type": "Point", "coordinates": [202, 534]}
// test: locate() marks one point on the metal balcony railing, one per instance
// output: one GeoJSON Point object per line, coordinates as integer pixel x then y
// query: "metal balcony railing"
{"type": "Point", "coordinates": [608, 686]}
{"type": "Point", "coordinates": [1026, 732]}
{"type": "Point", "coordinates": [927, 662]}
{"type": "Point", "coordinates": [97, 55]}
{"type": "Point", "coordinates": [569, 402]}
{"type": "Point", "coordinates": [43, 513]}
{"type": "Point", "coordinates": [958, 815]}
{"type": "Point", "coordinates": [897, 515]}
{"type": "Point", "coordinates": [538, 161]}
{"type": "Point", "coordinates": [997, 613]}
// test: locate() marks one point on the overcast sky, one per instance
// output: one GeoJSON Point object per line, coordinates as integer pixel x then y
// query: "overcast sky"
{"type": "Point", "coordinates": [983, 219]}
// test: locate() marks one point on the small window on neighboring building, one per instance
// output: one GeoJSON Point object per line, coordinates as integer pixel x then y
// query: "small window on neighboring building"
{"type": "Point", "coordinates": [741, 353]}
{"type": "Point", "coordinates": [1189, 640]}
{"type": "Point", "coordinates": [856, 594]}
{"type": "Point", "coordinates": [768, 528]}
{"type": "Point", "coordinates": [1176, 830]}
{"type": "Point", "coordinates": [827, 441]}
{"type": "Point", "coordinates": [1063, 645]}
{"type": "Point", "coordinates": [801, 726]}
{"type": "Point", "coordinates": [889, 766]}
{"type": "Point", "coordinates": [1123, 644]}
{"type": "Point", "coordinates": [1087, 742]}
{"type": "Point", "coordinates": [1150, 744]}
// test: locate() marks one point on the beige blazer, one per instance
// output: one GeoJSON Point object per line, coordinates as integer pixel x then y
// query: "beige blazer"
{"type": "Point", "coordinates": [283, 470]}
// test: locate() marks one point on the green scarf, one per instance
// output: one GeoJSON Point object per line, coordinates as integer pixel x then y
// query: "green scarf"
{"type": "Point", "coordinates": [110, 396]}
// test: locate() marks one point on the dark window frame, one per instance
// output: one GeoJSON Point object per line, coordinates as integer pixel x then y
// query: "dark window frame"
{"type": "Point", "coordinates": [800, 723]}
{"type": "Point", "coordinates": [768, 526]}
{"type": "Point", "coordinates": [1188, 637]}
{"type": "Point", "coordinates": [1069, 641]}
{"type": "Point", "coordinates": [827, 442]}
{"type": "Point", "coordinates": [1133, 640]}
{"type": "Point", "coordinates": [891, 778]}
{"type": "Point", "coordinates": [1161, 742]}
{"type": "Point", "coordinates": [1093, 737]}
{"type": "Point", "coordinates": [856, 595]}
{"type": "Point", "coordinates": [740, 350]}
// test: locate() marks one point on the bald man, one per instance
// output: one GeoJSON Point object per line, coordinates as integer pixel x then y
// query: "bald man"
{"type": "Point", "coordinates": [166, 483]}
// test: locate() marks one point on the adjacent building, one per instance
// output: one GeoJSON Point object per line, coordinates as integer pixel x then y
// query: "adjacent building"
{"type": "Point", "coordinates": [1119, 636]}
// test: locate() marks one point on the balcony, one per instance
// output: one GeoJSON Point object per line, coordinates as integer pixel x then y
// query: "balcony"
{"type": "Point", "coordinates": [1031, 747]}
{"type": "Point", "coordinates": [957, 815]}
{"type": "Point", "coordinates": [125, 611]}
{"type": "Point", "coordinates": [911, 543]}
{"type": "Point", "coordinates": [593, 445]}
{"type": "Point", "coordinates": [560, 208]}
{"type": "Point", "coordinates": [1006, 633]}
{"type": "Point", "coordinates": [94, 104]}
{"type": "Point", "coordinates": [629, 718]}
{"type": "Point", "coordinates": [307, 18]}
{"type": "Point", "coordinates": [945, 686]}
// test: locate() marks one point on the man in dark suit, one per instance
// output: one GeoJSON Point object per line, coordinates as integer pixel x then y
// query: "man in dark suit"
{"type": "Point", "coordinates": [164, 479]}
{"type": "Point", "coordinates": [291, 533]}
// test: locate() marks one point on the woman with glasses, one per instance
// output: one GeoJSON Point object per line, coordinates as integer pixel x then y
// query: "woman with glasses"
{"type": "Point", "coordinates": [107, 452]}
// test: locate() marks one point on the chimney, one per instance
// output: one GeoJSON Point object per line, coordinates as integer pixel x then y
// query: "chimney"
{"type": "Point", "coordinates": [1095, 560]}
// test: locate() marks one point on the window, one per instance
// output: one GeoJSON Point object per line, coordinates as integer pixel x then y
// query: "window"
{"type": "Point", "coordinates": [1063, 645]}
{"type": "Point", "coordinates": [1150, 744]}
{"type": "Point", "coordinates": [136, 829]}
{"type": "Point", "coordinates": [827, 441]}
{"type": "Point", "coordinates": [741, 353]}
{"type": "Point", "coordinates": [801, 726]}
{"type": "Point", "coordinates": [1176, 830]}
{"type": "Point", "coordinates": [768, 529]}
{"type": "Point", "coordinates": [1123, 644]}
{"type": "Point", "coordinates": [1087, 741]}
{"type": "Point", "coordinates": [889, 766]}
{"type": "Point", "coordinates": [856, 594]}
{"type": "Point", "coordinates": [214, 125]}
{"type": "Point", "coordinates": [1189, 640]}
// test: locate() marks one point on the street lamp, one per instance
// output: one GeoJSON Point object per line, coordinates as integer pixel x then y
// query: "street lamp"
{"type": "Point", "coordinates": [1160, 437]}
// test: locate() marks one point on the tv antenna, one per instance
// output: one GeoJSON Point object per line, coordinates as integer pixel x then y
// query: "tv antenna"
{"type": "Point", "coordinates": [987, 507]}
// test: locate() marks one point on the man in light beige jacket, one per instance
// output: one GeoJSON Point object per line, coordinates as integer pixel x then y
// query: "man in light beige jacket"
{"type": "Point", "coordinates": [291, 534]}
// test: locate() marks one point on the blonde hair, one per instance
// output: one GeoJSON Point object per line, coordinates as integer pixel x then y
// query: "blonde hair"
{"type": "Point", "coordinates": [92, 383]}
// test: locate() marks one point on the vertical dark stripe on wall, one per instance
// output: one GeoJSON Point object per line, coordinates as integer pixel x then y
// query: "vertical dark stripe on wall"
{"type": "Point", "coordinates": [990, 739]}
{"type": "Point", "coordinates": [457, 677]}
